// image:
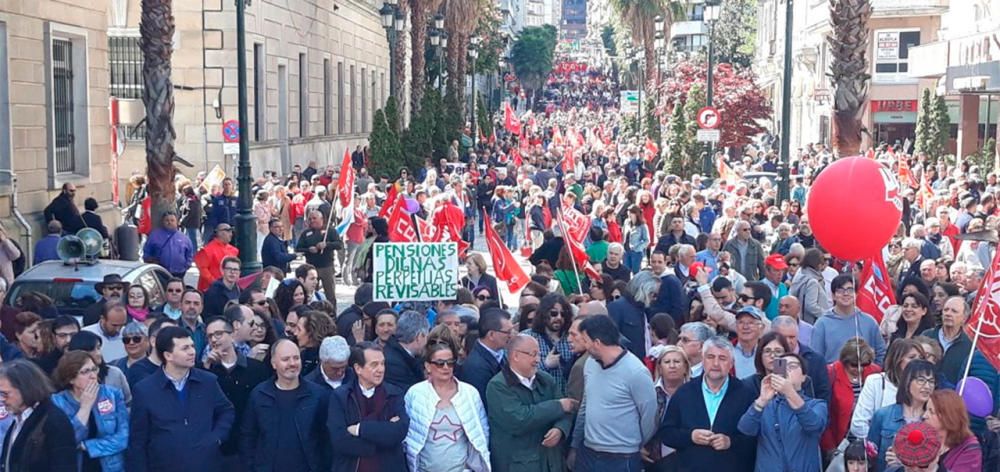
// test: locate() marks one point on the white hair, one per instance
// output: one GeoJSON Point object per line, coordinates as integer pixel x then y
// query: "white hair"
{"type": "Point", "coordinates": [334, 349]}
{"type": "Point", "coordinates": [718, 342]}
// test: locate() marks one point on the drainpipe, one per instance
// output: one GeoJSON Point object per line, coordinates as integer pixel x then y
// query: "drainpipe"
{"type": "Point", "coordinates": [27, 246]}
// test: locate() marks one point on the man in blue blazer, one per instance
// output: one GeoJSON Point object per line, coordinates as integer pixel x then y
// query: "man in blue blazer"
{"type": "Point", "coordinates": [701, 419]}
{"type": "Point", "coordinates": [489, 355]}
{"type": "Point", "coordinates": [274, 250]}
{"type": "Point", "coordinates": [180, 416]}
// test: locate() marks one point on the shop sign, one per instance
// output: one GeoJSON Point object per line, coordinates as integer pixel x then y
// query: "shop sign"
{"type": "Point", "coordinates": [894, 106]}
{"type": "Point", "coordinates": [887, 46]}
{"type": "Point", "coordinates": [976, 49]}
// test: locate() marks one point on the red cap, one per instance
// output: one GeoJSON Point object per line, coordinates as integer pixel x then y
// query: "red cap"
{"type": "Point", "coordinates": [693, 271]}
{"type": "Point", "coordinates": [776, 261]}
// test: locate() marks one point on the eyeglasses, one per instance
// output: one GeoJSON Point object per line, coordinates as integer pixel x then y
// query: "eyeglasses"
{"type": "Point", "coordinates": [482, 298]}
{"type": "Point", "coordinates": [442, 363]}
{"type": "Point", "coordinates": [132, 339]}
{"type": "Point", "coordinates": [615, 297]}
{"type": "Point", "coordinates": [175, 290]}
{"type": "Point", "coordinates": [89, 370]}
{"type": "Point", "coordinates": [555, 312]}
{"type": "Point", "coordinates": [924, 381]}
{"type": "Point", "coordinates": [845, 290]}
{"type": "Point", "coordinates": [772, 352]}
{"type": "Point", "coordinates": [117, 288]}
{"type": "Point", "coordinates": [231, 269]}
{"type": "Point", "coordinates": [532, 354]}
{"type": "Point", "coordinates": [218, 334]}
{"type": "Point", "coordinates": [260, 303]}
{"type": "Point", "coordinates": [744, 297]}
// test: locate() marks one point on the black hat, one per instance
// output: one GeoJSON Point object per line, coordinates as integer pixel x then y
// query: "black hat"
{"type": "Point", "coordinates": [110, 279]}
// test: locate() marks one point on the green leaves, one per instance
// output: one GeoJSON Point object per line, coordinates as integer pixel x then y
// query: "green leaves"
{"type": "Point", "coordinates": [532, 55]}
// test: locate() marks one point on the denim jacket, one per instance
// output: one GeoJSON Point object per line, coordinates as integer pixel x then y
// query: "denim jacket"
{"type": "Point", "coordinates": [111, 416]}
{"type": "Point", "coordinates": [885, 424]}
{"type": "Point", "coordinates": [638, 238]}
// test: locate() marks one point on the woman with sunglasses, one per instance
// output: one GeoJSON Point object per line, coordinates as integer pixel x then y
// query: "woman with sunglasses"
{"type": "Point", "coordinates": [98, 413]}
{"type": "Point", "coordinates": [135, 336]}
{"type": "Point", "coordinates": [138, 303]}
{"type": "Point", "coordinates": [483, 295]}
{"type": "Point", "coordinates": [847, 377]}
{"type": "Point", "coordinates": [444, 400]}
{"type": "Point", "coordinates": [879, 389]}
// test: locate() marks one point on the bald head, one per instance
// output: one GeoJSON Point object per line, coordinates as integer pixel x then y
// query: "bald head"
{"type": "Point", "coordinates": [789, 306]}
{"type": "Point", "coordinates": [593, 308]}
{"type": "Point", "coordinates": [524, 355]}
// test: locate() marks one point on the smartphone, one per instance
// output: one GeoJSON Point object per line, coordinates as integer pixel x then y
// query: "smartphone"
{"type": "Point", "coordinates": [781, 367]}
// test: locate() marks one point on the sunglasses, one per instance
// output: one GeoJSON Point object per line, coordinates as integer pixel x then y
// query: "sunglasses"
{"type": "Point", "coordinates": [744, 298]}
{"type": "Point", "coordinates": [260, 303]}
{"type": "Point", "coordinates": [444, 362]}
{"type": "Point", "coordinates": [615, 297]}
{"type": "Point", "coordinates": [132, 339]}
{"type": "Point", "coordinates": [482, 298]}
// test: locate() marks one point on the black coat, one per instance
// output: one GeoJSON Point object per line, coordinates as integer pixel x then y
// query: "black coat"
{"type": "Point", "coordinates": [381, 438]}
{"type": "Point", "coordinates": [548, 252]}
{"type": "Point", "coordinates": [46, 443]}
{"type": "Point", "coordinates": [259, 440]}
{"type": "Point", "coordinates": [485, 280]}
{"type": "Point", "coordinates": [237, 384]}
{"type": "Point", "coordinates": [65, 211]}
{"type": "Point", "coordinates": [479, 367]}
{"type": "Point", "coordinates": [401, 369]}
{"type": "Point", "coordinates": [632, 321]}
{"type": "Point", "coordinates": [346, 320]}
{"type": "Point", "coordinates": [687, 412]}
{"type": "Point", "coordinates": [316, 377]}
{"type": "Point", "coordinates": [93, 220]}
{"type": "Point", "coordinates": [669, 240]}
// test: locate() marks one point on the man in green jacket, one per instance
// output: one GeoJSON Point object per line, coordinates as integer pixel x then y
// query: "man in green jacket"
{"type": "Point", "coordinates": [528, 422]}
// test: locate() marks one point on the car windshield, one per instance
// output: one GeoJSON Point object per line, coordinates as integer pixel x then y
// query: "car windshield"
{"type": "Point", "coordinates": [71, 297]}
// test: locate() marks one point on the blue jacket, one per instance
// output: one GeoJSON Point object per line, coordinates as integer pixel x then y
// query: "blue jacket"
{"type": "Point", "coordinates": [45, 249]}
{"type": "Point", "coordinates": [787, 439]}
{"type": "Point", "coordinates": [380, 438]}
{"type": "Point", "coordinates": [631, 319]}
{"type": "Point", "coordinates": [885, 424]}
{"type": "Point", "coordinates": [111, 416]}
{"type": "Point", "coordinates": [817, 372]}
{"type": "Point", "coordinates": [480, 366]}
{"type": "Point", "coordinates": [274, 252]}
{"type": "Point", "coordinates": [223, 210]}
{"type": "Point", "coordinates": [706, 219]}
{"type": "Point", "coordinates": [687, 412]}
{"type": "Point", "coordinates": [258, 437]}
{"type": "Point", "coordinates": [672, 299]}
{"type": "Point", "coordinates": [169, 433]}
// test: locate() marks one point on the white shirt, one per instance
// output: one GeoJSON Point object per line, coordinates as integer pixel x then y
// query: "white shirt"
{"type": "Point", "coordinates": [112, 347]}
{"type": "Point", "coordinates": [524, 380]}
{"type": "Point", "coordinates": [367, 392]}
{"type": "Point", "coordinates": [335, 383]}
{"type": "Point", "coordinates": [15, 429]}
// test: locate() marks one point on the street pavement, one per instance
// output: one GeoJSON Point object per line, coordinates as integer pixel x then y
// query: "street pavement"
{"type": "Point", "coordinates": [345, 293]}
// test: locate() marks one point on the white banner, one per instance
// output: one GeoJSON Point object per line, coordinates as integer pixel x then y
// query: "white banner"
{"type": "Point", "coordinates": [415, 271]}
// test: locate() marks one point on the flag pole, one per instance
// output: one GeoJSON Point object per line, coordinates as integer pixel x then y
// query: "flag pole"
{"type": "Point", "coordinates": [972, 352]}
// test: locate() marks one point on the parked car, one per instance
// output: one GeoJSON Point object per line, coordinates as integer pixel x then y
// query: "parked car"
{"type": "Point", "coordinates": [72, 287]}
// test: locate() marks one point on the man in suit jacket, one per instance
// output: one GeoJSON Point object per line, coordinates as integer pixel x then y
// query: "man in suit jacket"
{"type": "Point", "coordinates": [489, 355]}
{"type": "Point", "coordinates": [701, 419]}
{"type": "Point", "coordinates": [274, 251]}
{"type": "Point", "coordinates": [41, 438]}
{"type": "Point", "coordinates": [180, 416]}
{"type": "Point", "coordinates": [404, 352]}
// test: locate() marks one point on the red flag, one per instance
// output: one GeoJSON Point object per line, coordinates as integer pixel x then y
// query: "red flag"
{"type": "Point", "coordinates": [569, 161]}
{"type": "Point", "coordinates": [905, 175]}
{"type": "Point", "coordinates": [510, 120]}
{"type": "Point", "coordinates": [345, 183]}
{"type": "Point", "coordinates": [875, 294]}
{"type": "Point", "coordinates": [450, 219]}
{"type": "Point", "coordinates": [652, 150]}
{"type": "Point", "coordinates": [390, 200]}
{"type": "Point", "coordinates": [518, 161]}
{"type": "Point", "coordinates": [575, 226]}
{"type": "Point", "coordinates": [428, 233]}
{"type": "Point", "coordinates": [986, 316]}
{"type": "Point", "coordinates": [504, 265]}
{"type": "Point", "coordinates": [401, 228]}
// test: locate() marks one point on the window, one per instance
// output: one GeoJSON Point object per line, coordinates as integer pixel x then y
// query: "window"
{"type": "Point", "coordinates": [341, 128]}
{"type": "Point", "coordinates": [303, 96]}
{"type": "Point", "coordinates": [892, 53]}
{"type": "Point", "coordinates": [381, 92]}
{"type": "Point", "coordinates": [354, 110]}
{"type": "Point", "coordinates": [259, 105]}
{"type": "Point", "coordinates": [125, 62]}
{"type": "Point", "coordinates": [364, 100]}
{"type": "Point", "coordinates": [375, 100]}
{"type": "Point", "coordinates": [62, 105]}
{"type": "Point", "coordinates": [327, 100]}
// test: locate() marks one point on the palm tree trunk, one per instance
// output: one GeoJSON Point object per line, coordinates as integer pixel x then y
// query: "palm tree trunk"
{"type": "Point", "coordinates": [157, 30]}
{"type": "Point", "coordinates": [849, 72]}
{"type": "Point", "coordinates": [650, 55]}
{"type": "Point", "coordinates": [418, 36]}
{"type": "Point", "coordinates": [399, 67]}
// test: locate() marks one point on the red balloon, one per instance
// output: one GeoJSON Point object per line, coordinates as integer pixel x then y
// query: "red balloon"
{"type": "Point", "coordinates": [854, 208]}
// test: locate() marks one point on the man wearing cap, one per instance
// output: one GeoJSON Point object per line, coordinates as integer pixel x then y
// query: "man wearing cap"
{"type": "Point", "coordinates": [209, 258]}
{"type": "Point", "coordinates": [749, 329]}
{"type": "Point", "coordinates": [774, 275]}
{"type": "Point", "coordinates": [111, 290]}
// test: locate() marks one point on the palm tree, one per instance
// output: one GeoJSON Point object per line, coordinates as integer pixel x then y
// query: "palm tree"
{"type": "Point", "coordinates": [156, 27]}
{"type": "Point", "coordinates": [461, 18]}
{"type": "Point", "coordinates": [419, 12]}
{"type": "Point", "coordinates": [849, 71]}
{"type": "Point", "coordinates": [639, 16]}
{"type": "Point", "coordinates": [399, 65]}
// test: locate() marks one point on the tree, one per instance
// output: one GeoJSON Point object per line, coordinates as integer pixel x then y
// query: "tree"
{"type": "Point", "coordinates": [926, 135]}
{"type": "Point", "coordinates": [677, 139]}
{"type": "Point", "coordinates": [696, 100]}
{"type": "Point", "coordinates": [638, 16]}
{"type": "Point", "coordinates": [419, 13]}
{"type": "Point", "coordinates": [532, 57]}
{"type": "Point", "coordinates": [156, 27]}
{"type": "Point", "coordinates": [942, 125]}
{"type": "Point", "coordinates": [387, 155]}
{"type": "Point", "coordinates": [461, 18]}
{"type": "Point", "coordinates": [849, 72]}
{"type": "Point", "coordinates": [652, 119]}
{"type": "Point", "coordinates": [483, 121]}
{"type": "Point", "coordinates": [418, 140]}
{"type": "Point", "coordinates": [740, 102]}
{"type": "Point", "coordinates": [735, 33]}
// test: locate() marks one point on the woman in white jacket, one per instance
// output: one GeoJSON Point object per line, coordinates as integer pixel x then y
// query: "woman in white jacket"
{"type": "Point", "coordinates": [449, 431]}
{"type": "Point", "coordinates": [879, 389]}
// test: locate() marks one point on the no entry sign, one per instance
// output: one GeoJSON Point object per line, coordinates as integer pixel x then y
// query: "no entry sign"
{"type": "Point", "coordinates": [708, 118]}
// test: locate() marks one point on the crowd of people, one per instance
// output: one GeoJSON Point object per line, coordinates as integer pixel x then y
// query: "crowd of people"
{"type": "Point", "coordinates": [705, 327]}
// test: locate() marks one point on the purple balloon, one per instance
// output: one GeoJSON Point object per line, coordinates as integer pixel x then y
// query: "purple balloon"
{"type": "Point", "coordinates": [412, 206]}
{"type": "Point", "coordinates": [977, 396]}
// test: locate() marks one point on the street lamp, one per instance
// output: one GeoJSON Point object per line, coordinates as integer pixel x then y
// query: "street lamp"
{"type": "Point", "coordinates": [711, 15]}
{"type": "Point", "coordinates": [246, 222]}
{"type": "Point", "coordinates": [388, 13]}
{"type": "Point", "coordinates": [441, 53]}
{"type": "Point", "coordinates": [439, 21]}
{"type": "Point", "coordinates": [786, 108]}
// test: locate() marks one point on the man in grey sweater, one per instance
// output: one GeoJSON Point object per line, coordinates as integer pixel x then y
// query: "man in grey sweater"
{"type": "Point", "coordinates": [618, 396]}
{"type": "Point", "coordinates": [844, 322]}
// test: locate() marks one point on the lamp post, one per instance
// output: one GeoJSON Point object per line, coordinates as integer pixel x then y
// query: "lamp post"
{"type": "Point", "coordinates": [712, 11]}
{"type": "Point", "coordinates": [659, 42]}
{"type": "Point", "coordinates": [388, 14]}
{"type": "Point", "coordinates": [246, 223]}
{"type": "Point", "coordinates": [473, 55]}
{"type": "Point", "coordinates": [441, 54]}
{"type": "Point", "coordinates": [786, 108]}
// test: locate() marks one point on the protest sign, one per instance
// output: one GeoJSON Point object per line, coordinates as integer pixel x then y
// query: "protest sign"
{"type": "Point", "coordinates": [415, 271]}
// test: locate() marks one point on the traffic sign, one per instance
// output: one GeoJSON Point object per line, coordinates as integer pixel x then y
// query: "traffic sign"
{"type": "Point", "coordinates": [231, 131]}
{"type": "Point", "coordinates": [708, 118]}
{"type": "Point", "coordinates": [708, 135]}
{"type": "Point", "coordinates": [629, 102]}
{"type": "Point", "coordinates": [230, 149]}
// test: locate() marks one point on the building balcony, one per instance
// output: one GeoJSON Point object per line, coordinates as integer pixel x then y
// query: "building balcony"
{"type": "Point", "coordinates": [908, 7]}
{"type": "Point", "coordinates": [688, 28]}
